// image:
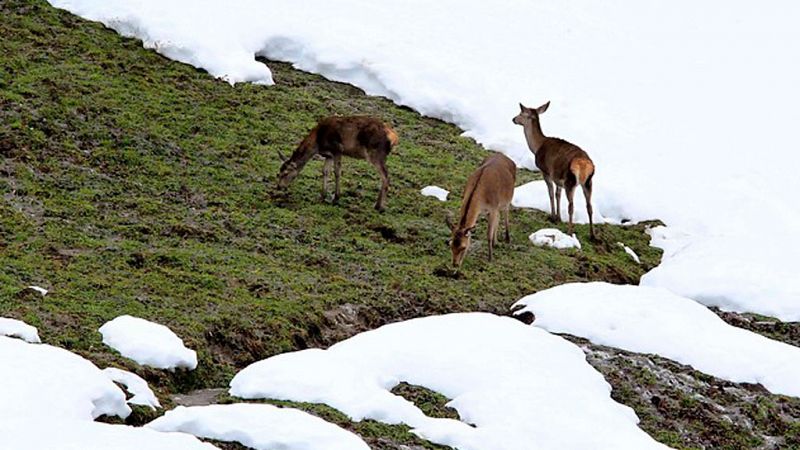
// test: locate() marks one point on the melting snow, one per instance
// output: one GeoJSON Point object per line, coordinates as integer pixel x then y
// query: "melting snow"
{"type": "Point", "coordinates": [135, 385]}
{"type": "Point", "coordinates": [148, 343]}
{"type": "Point", "coordinates": [551, 237]}
{"type": "Point", "coordinates": [653, 320]}
{"type": "Point", "coordinates": [521, 387]}
{"type": "Point", "coordinates": [38, 289]}
{"type": "Point", "coordinates": [19, 329]}
{"type": "Point", "coordinates": [261, 427]}
{"type": "Point", "coordinates": [435, 191]}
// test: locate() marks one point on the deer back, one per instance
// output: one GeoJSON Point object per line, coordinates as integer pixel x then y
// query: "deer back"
{"type": "Point", "coordinates": [555, 156]}
{"type": "Point", "coordinates": [490, 187]}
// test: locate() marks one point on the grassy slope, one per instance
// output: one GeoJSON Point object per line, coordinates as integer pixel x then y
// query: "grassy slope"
{"type": "Point", "coordinates": [133, 184]}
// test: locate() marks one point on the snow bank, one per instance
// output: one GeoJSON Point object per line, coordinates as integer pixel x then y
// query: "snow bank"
{"type": "Point", "coordinates": [435, 191]}
{"type": "Point", "coordinates": [19, 329]}
{"type": "Point", "coordinates": [521, 387]}
{"type": "Point", "coordinates": [756, 274]}
{"type": "Point", "coordinates": [42, 382]}
{"type": "Point", "coordinates": [135, 385]}
{"type": "Point", "coordinates": [679, 103]}
{"type": "Point", "coordinates": [551, 237]}
{"type": "Point", "coordinates": [261, 427]}
{"type": "Point", "coordinates": [18, 434]}
{"type": "Point", "coordinates": [147, 343]}
{"type": "Point", "coordinates": [651, 320]}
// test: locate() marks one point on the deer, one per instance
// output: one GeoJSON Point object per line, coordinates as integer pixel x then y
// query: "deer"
{"type": "Point", "coordinates": [562, 163]}
{"type": "Point", "coordinates": [488, 190]}
{"type": "Point", "coordinates": [357, 137]}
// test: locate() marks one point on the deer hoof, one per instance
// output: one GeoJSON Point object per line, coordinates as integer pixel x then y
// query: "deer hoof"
{"type": "Point", "coordinates": [554, 219]}
{"type": "Point", "coordinates": [380, 208]}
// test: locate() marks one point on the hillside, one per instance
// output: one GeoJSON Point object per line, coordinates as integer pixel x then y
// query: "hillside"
{"type": "Point", "coordinates": [136, 185]}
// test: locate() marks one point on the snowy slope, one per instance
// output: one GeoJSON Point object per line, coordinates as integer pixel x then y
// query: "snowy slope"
{"type": "Point", "coordinates": [521, 387]}
{"type": "Point", "coordinates": [687, 108]}
{"type": "Point", "coordinates": [261, 427]}
{"type": "Point", "coordinates": [650, 320]}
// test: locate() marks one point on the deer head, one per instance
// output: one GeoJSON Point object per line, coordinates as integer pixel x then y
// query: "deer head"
{"type": "Point", "coordinates": [288, 172]}
{"type": "Point", "coordinates": [528, 116]}
{"type": "Point", "coordinates": [459, 241]}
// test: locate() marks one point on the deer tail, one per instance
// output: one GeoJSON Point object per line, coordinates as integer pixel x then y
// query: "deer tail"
{"type": "Point", "coordinates": [583, 169]}
{"type": "Point", "coordinates": [392, 135]}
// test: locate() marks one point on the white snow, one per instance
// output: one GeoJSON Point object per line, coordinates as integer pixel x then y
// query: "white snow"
{"type": "Point", "coordinates": [551, 237]}
{"type": "Point", "coordinates": [653, 320]}
{"type": "Point", "coordinates": [521, 387]}
{"type": "Point", "coordinates": [435, 191]}
{"type": "Point", "coordinates": [148, 343]}
{"type": "Point", "coordinates": [19, 329]}
{"type": "Point", "coordinates": [261, 427]}
{"type": "Point", "coordinates": [135, 385]}
{"type": "Point", "coordinates": [19, 434]}
{"type": "Point", "coordinates": [630, 252]}
{"type": "Point", "coordinates": [756, 273]}
{"type": "Point", "coordinates": [44, 382]}
{"type": "Point", "coordinates": [38, 289]}
{"type": "Point", "coordinates": [688, 108]}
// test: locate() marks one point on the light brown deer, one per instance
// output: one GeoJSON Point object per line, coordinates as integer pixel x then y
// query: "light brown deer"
{"type": "Point", "coordinates": [562, 163]}
{"type": "Point", "coordinates": [489, 190]}
{"type": "Point", "coordinates": [354, 136]}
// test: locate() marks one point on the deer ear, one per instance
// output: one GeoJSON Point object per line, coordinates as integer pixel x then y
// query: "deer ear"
{"type": "Point", "coordinates": [543, 108]}
{"type": "Point", "coordinates": [468, 231]}
{"type": "Point", "coordinates": [522, 107]}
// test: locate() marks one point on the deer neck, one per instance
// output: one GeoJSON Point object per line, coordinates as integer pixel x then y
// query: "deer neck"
{"type": "Point", "coordinates": [534, 135]}
{"type": "Point", "coordinates": [303, 155]}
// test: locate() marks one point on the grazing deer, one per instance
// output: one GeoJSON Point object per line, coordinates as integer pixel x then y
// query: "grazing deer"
{"type": "Point", "coordinates": [355, 136]}
{"type": "Point", "coordinates": [489, 189]}
{"type": "Point", "coordinates": [562, 163]}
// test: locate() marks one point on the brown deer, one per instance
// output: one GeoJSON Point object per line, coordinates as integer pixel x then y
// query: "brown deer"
{"type": "Point", "coordinates": [489, 190]}
{"type": "Point", "coordinates": [354, 136]}
{"type": "Point", "coordinates": [561, 162]}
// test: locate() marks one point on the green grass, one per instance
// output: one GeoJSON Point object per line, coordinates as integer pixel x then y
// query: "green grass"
{"type": "Point", "coordinates": [132, 184]}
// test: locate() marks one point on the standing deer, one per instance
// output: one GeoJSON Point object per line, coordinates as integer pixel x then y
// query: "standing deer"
{"type": "Point", "coordinates": [489, 190]}
{"type": "Point", "coordinates": [561, 162]}
{"type": "Point", "coordinates": [355, 136]}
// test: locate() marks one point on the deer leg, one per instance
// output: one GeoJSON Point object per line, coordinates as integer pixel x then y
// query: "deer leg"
{"type": "Point", "coordinates": [337, 172]}
{"type": "Point", "coordinates": [380, 164]}
{"type": "Point", "coordinates": [492, 231]}
{"type": "Point", "coordinates": [558, 202]}
{"type": "Point", "coordinates": [549, 182]}
{"type": "Point", "coordinates": [326, 168]}
{"type": "Point", "coordinates": [508, 235]}
{"type": "Point", "coordinates": [587, 194]}
{"type": "Point", "coordinates": [570, 198]}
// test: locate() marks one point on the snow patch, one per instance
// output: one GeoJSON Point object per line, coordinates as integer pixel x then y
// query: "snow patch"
{"type": "Point", "coordinates": [19, 329]}
{"type": "Point", "coordinates": [653, 320]}
{"type": "Point", "coordinates": [261, 427]}
{"type": "Point", "coordinates": [551, 237]}
{"type": "Point", "coordinates": [435, 191]}
{"type": "Point", "coordinates": [38, 289]}
{"type": "Point", "coordinates": [30, 433]}
{"type": "Point", "coordinates": [630, 252]}
{"type": "Point", "coordinates": [135, 385]}
{"type": "Point", "coordinates": [42, 382]}
{"type": "Point", "coordinates": [519, 385]}
{"type": "Point", "coordinates": [147, 343]}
